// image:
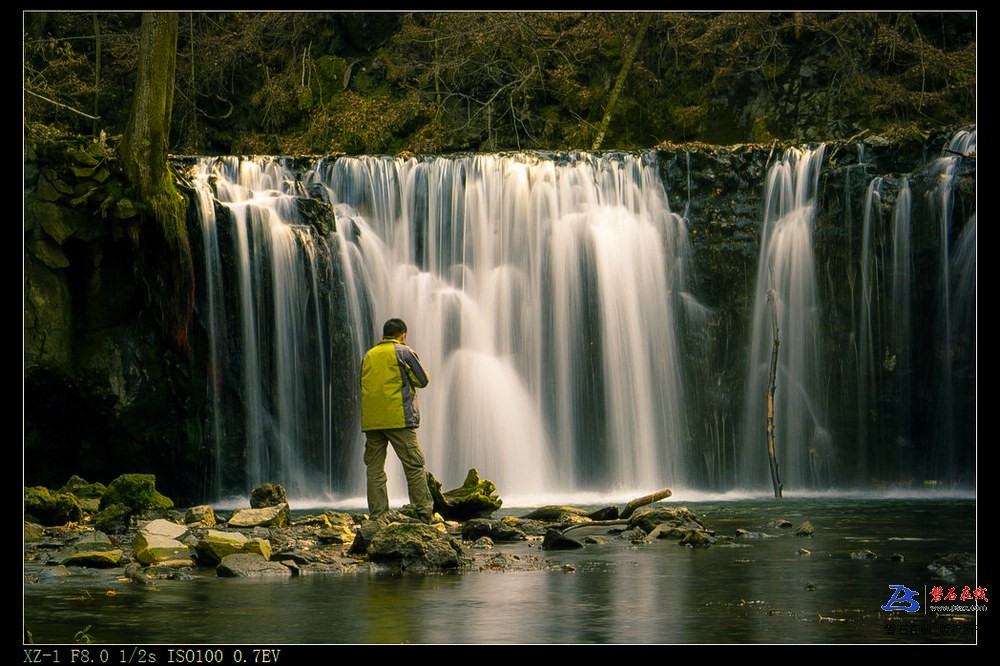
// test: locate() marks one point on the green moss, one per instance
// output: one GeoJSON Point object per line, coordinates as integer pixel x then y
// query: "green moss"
{"type": "Point", "coordinates": [136, 492]}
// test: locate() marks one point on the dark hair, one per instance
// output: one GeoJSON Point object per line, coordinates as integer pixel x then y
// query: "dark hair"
{"type": "Point", "coordinates": [393, 328]}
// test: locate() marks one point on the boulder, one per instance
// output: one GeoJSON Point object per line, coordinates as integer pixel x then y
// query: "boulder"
{"type": "Point", "coordinates": [91, 549]}
{"type": "Point", "coordinates": [98, 559]}
{"type": "Point", "coordinates": [51, 509]}
{"type": "Point", "coordinates": [269, 516]}
{"type": "Point", "coordinates": [201, 516]}
{"type": "Point", "coordinates": [678, 517]}
{"type": "Point", "coordinates": [250, 565]}
{"type": "Point", "coordinates": [556, 540]}
{"type": "Point", "coordinates": [557, 514]}
{"type": "Point", "coordinates": [267, 495]}
{"type": "Point", "coordinates": [335, 534]}
{"type": "Point", "coordinates": [83, 489]}
{"type": "Point", "coordinates": [33, 532]}
{"type": "Point", "coordinates": [216, 545]}
{"type": "Point", "coordinates": [414, 546]}
{"type": "Point", "coordinates": [159, 541]}
{"type": "Point", "coordinates": [367, 531]}
{"type": "Point", "coordinates": [136, 492]}
{"type": "Point", "coordinates": [496, 530]}
{"type": "Point", "coordinates": [114, 519]}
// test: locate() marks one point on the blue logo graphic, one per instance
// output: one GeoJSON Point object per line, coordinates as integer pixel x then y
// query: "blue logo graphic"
{"type": "Point", "coordinates": [902, 599]}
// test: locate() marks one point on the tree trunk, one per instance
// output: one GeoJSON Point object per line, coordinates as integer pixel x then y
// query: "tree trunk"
{"type": "Point", "coordinates": [620, 82]}
{"type": "Point", "coordinates": [163, 254]}
{"type": "Point", "coordinates": [771, 384]}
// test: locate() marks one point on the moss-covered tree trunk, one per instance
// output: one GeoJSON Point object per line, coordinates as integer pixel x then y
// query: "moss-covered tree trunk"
{"type": "Point", "coordinates": [163, 254]}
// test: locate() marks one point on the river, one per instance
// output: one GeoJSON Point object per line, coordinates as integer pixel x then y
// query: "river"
{"type": "Point", "coordinates": [774, 589]}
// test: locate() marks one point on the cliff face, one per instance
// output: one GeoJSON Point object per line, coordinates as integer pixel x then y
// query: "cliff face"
{"type": "Point", "coordinates": [105, 393]}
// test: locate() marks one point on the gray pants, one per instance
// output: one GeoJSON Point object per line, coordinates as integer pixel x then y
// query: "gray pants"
{"type": "Point", "coordinates": [404, 443]}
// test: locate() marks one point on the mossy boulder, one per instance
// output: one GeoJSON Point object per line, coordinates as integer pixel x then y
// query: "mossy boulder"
{"type": "Point", "coordinates": [267, 495]}
{"type": "Point", "coordinates": [47, 508]}
{"type": "Point", "coordinates": [475, 498]}
{"type": "Point", "coordinates": [416, 547]}
{"type": "Point", "coordinates": [137, 492]}
{"type": "Point", "coordinates": [83, 489]}
{"type": "Point", "coordinates": [664, 517]}
{"type": "Point", "coordinates": [558, 514]}
{"type": "Point", "coordinates": [114, 519]}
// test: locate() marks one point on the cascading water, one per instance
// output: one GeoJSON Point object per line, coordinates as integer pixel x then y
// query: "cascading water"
{"type": "Point", "coordinates": [541, 296]}
{"type": "Point", "coordinates": [912, 342]}
{"type": "Point", "coordinates": [786, 305]}
{"type": "Point", "coordinates": [548, 297]}
{"type": "Point", "coordinates": [955, 294]}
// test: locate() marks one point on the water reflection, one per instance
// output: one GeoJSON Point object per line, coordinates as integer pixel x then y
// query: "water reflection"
{"type": "Point", "coordinates": [776, 588]}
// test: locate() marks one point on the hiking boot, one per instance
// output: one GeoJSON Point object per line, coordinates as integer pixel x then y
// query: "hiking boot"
{"type": "Point", "coordinates": [434, 519]}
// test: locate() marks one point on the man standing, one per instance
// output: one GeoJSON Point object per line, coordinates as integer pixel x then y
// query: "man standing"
{"type": "Point", "coordinates": [390, 375]}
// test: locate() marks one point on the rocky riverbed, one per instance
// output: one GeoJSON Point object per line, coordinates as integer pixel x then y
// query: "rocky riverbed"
{"type": "Point", "coordinates": [130, 531]}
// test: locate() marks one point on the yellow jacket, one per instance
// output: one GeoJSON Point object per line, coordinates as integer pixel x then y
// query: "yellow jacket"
{"type": "Point", "coordinates": [390, 376]}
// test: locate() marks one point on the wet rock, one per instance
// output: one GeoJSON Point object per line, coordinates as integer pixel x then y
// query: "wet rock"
{"type": "Point", "coordinates": [33, 532]}
{"type": "Point", "coordinates": [335, 534]}
{"type": "Point", "coordinates": [556, 540]}
{"type": "Point", "coordinates": [607, 513]}
{"type": "Point", "coordinates": [250, 565]}
{"type": "Point", "coordinates": [201, 515]}
{"type": "Point", "coordinates": [158, 541]}
{"type": "Point", "coordinates": [415, 546]}
{"type": "Point", "coordinates": [557, 514]}
{"type": "Point", "coordinates": [864, 555]}
{"type": "Point", "coordinates": [269, 516]}
{"type": "Point", "coordinates": [698, 538]}
{"type": "Point", "coordinates": [747, 535]}
{"type": "Point", "coordinates": [216, 545]}
{"type": "Point", "coordinates": [136, 492]}
{"type": "Point", "coordinates": [51, 509]}
{"type": "Point", "coordinates": [496, 530]}
{"type": "Point", "coordinates": [680, 517]}
{"type": "Point", "coordinates": [268, 495]}
{"type": "Point", "coordinates": [100, 559]}
{"type": "Point", "coordinates": [804, 530]}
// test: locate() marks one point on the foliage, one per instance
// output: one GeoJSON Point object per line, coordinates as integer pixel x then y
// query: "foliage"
{"type": "Point", "coordinates": [438, 82]}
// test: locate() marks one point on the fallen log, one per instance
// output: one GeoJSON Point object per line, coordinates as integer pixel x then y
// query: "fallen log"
{"type": "Point", "coordinates": [625, 513]}
{"type": "Point", "coordinates": [643, 501]}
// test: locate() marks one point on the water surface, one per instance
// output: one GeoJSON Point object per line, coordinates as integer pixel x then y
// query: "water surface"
{"type": "Point", "coordinates": [776, 589]}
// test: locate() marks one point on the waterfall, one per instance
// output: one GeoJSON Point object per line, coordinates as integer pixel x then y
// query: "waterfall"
{"type": "Point", "coordinates": [786, 302]}
{"type": "Point", "coordinates": [869, 334]}
{"type": "Point", "coordinates": [956, 289]}
{"type": "Point", "coordinates": [541, 295]}
{"type": "Point", "coordinates": [549, 298]}
{"type": "Point", "coordinates": [899, 357]}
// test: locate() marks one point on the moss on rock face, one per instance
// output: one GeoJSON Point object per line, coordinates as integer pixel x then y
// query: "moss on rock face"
{"type": "Point", "coordinates": [137, 492]}
{"type": "Point", "coordinates": [49, 509]}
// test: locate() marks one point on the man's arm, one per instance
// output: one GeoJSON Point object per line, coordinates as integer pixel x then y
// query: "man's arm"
{"type": "Point", "coordinates": [414, 370]}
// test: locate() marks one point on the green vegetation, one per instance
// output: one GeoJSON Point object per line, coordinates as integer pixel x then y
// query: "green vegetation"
{"type": "Point", "coordinates": [317, 83]}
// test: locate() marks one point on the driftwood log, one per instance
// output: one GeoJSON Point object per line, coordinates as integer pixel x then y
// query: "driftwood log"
{"type": "Point", "coordinates": [626, 512]}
